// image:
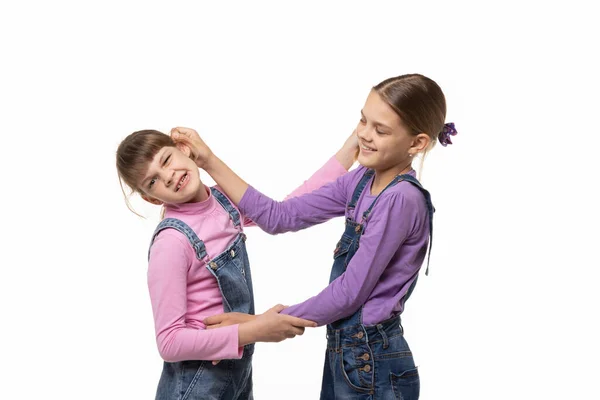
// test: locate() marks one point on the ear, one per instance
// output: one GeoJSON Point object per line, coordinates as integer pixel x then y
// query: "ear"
{"type": "Point", "coordinates": [421, 143]}
{"type": "Point", "coordinates": [152, 200]}
{"type": "Point", "coordinates": [184, 149]}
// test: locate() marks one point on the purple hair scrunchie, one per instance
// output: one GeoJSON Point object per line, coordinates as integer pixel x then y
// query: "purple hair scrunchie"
{"type": "Point", "coordinates": [447, 131]}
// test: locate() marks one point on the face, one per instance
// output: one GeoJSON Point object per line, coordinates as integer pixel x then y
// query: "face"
{"type": "Point", "coordinates": [172, 178]}
{"type": "Point", "coordinates": [385, 143]}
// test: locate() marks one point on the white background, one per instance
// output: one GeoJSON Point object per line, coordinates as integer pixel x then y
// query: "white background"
{"type": "Point", "coordinates": [510, 307]}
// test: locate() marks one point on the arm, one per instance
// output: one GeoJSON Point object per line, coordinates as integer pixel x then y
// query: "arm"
{"type": "Point", "coordinates": [297, 213]}
{"type": "Point", "coordinates": [335, 167]}
{"type": "Point", "coordinates": [170, 258]}
{"type": "Point", "coordinates": [235, 187]}
{"type": "Point", "coordinates": [329, 172]}
{"type": "Point", "coordinates": [390, 224]}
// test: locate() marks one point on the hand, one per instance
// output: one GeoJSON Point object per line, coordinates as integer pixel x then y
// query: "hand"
{"type": "Point", "coordinates": [188, 141]}
{"type": "Point", "coordinates": [226, 319]}
{"type": "Point", "coordinates": [272, 327]}
{"type": "Point", "coordinates": [348, 154]}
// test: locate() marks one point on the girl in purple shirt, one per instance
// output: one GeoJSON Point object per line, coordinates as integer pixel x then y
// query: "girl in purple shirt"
{"type": "Point", "coordinates": [378, 257]}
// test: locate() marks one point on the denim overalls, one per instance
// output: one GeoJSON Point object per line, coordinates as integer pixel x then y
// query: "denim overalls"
{"type": "Point", "coordinates": [368, 362]}
{"type": "Point", "coordinates": [230, 379]}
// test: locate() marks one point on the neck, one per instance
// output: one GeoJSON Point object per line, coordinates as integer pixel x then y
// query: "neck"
{"type": "Point", "coordinates": [383, 177]}
{"type": "Point", "coordinates": [201, 195]}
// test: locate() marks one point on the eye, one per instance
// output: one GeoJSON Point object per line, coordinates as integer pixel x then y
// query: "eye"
{"type": "Point", "coordinates": [363, 120]}
{"type": "Point", "coordinates": [379, 132]}
{"type": "Point", "coordinates": [166, 160]}
{"type": "Point", "coordinates": [152, 182]}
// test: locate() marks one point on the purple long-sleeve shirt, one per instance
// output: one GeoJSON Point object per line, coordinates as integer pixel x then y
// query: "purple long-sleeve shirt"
{"type": "Point", "coordinates": [391, 252]}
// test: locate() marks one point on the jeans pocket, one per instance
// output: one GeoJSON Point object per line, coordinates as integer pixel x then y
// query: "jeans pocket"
{"type": "Point", "coordinates": [342, 247]}
{"type": "Point", "coordinates": [406, 385]}
{"type": "Point", "coordinates": [357, 372]}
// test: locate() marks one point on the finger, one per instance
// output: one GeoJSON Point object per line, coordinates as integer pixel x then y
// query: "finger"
{"type": "Point", "coordinates": [299, 322]}
{"type": "Point", "coordinates": [214, 319]}
{"type": "Point", "coordinates": [297, 331]}
{"type": "Point", "coordinates": [213, 326]}
{"type": "Point", "coordinates": [278, 308]}
{"type": "Point", "coordinates": [216, 362]}
{"type": "Point", "coordinates": [180, 137]}
{"type": "Point", "coordinates": [183, 131]}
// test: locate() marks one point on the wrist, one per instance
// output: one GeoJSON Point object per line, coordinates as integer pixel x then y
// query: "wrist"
{"type": "Point", "coordinates": [250, 317]}
{"type": "Point", "coordinates": [246, 333]}
{"type": "Point", "coordinates": [346, 157]}
{"type": "Point", "coordinates": [209, 163]}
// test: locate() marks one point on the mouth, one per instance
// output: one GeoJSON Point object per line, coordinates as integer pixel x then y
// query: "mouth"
{"type": "Point", "coordinates": [366, 148]}
{"type": "Point", "coordinates": [182, 182]}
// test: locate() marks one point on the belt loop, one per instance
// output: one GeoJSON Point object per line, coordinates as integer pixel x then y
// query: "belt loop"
{"type": "Point", "coordinates": [401, 327]}
{"type": "Point", "coordinates": [386, 344]}
{"type": "Point", "coordinates": [337, 340]}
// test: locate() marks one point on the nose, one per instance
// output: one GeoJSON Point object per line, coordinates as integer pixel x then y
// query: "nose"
{"type": "Point", "coordinates": [364, 133]}
{"type": "Point", "coordinates": [168, 177]}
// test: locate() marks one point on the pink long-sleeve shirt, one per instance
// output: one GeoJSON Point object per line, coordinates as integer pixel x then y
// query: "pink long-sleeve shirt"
{"type": "Point", "coordinates": [183, 292]}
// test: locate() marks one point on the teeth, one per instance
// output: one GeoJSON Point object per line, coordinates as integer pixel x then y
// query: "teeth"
{"type": "Point", "coordinates": [181, 181]}
{"type": "Point", "coordinates": [365, 147]}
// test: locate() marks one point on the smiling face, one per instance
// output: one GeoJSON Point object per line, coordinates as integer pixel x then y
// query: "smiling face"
{"type": "Point", "coordinates": [172, 178]}
{"type": "Point", "coordinates": [385, 143]}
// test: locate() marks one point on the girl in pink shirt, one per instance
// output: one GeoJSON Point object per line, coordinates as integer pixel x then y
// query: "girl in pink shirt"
{"type": "Point", "coordinates": [198, 267]}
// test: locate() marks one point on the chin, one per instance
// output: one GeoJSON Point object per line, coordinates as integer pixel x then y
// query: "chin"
{"type": "Point", "coordinates": [365, 163]}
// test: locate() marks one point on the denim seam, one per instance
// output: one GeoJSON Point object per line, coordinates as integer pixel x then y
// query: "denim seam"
{"type": "Point", "coordinates": [194, 381]}
{"type": "Point", "coordinates": [229, 379]}
{"type": "Point", "coordinates": [398, 354]}
{"type": "Point", "coordinates": [360, 344]}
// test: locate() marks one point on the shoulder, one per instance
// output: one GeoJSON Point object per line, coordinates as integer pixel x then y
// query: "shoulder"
{"type": "Point", "coordinates": [170, 243]}
{"type": "Point", "coordinates": [222, 194]}
{"type": "Point", "coordinates": [357, 173]}
{"type": "Point", "coordinates": [404, 198]}
{"type": "Point", "coordinates": [350, 180]}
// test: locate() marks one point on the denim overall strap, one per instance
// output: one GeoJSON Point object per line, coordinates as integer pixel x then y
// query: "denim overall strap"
{"type": "Point", "coordinates": [343, 253]}
{"type": "Point", "coordinates": [226, 204]}
{"type": "Point", "coordinates": [430, 208]}
{"type": "Point", "coordinates": [358, 191]}
{"type": "Point", "coordinates": [182, 227]}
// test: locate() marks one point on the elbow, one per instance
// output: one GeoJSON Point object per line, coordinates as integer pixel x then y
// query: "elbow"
{"type": "Point", "coordinates": [351, 307]}
{"type": "Point", "coordinates": [166, 355]}
{"type": "Point", "coordinates": [274, 230]}
{"type": "Point", "coordinates": [277, 229]}
{"type": "Point", "coordinates": [353, 301]}
{"type": "Point", "coordinates": [166, 352]}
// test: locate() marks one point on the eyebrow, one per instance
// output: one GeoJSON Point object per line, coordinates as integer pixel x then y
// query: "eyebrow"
{"type": "Point", "coordinates": [376, 123]}
{"type": "Point", "coordinates": [162, 157]}
{"type": "Point", "coordinates": [145, 181]}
